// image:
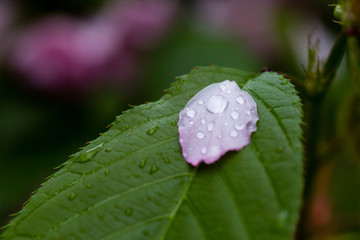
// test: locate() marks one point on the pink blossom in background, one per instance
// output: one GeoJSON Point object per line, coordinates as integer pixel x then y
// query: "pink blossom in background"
{"type": "Point", "coordinates": [7, 15]}
{"type": "Point", "coordinates": [144, 22]}
{"type": "Point", "coordinates": [63, 53]}
{"type": "Point", "coordinates": [251, 21]}
{"type": "Point", "coordinates": [66, 53]}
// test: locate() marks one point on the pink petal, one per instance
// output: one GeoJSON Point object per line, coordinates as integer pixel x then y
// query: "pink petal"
{"type": "Point", "coordinates": [219, 118]}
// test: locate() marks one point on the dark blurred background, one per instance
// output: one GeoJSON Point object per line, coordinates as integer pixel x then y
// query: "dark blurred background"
{"type": "Point", "coordinates": [68, 67]}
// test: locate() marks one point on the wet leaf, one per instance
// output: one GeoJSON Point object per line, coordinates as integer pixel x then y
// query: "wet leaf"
{"type": "Point", "coordinates": [144, 189]}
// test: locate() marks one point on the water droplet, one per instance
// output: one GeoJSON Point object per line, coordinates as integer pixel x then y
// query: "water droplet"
{"type": "Point", "coordinates": [248, 112]}
{"type": "Point", "coordinates": [159, 153]}
{"type": "Point", "coordinates": [200, 135]}
{"type": "Point", "coordinates": [152, 130]}
{"type": "Point", "coordinates": [181, 140]}
{"type": "Point", "coordinates": [181, 81]}
{"type": "Point", "coordinates": [128, 212]}
{"type": "Point", "coordinates": [284, 82]}
{"type": "Point", "coordinates": [166, 160]}
{"type": "Point", "coordinates": [191, 122]}
{"type": "Point", "coordinates": [88, 186]}
{"type": "Point", "coordinates": [203, 150]}
{"type": "Point", "coordinates": [280, 149]}
{"type": "Point", "coordinates": [203, 120]}
{"type": "Point", "coordinates": [72, 196]}
{"type": "Point", "coordinates": [239, 126]}
{"type": "Point", "coordinates": [251, 127]}
{"type": "Point", "coordinates": [210, 126]}
{"type": "Point", "coordinates": [190, 148]}
{"type": "Point", "coordinates": [217, 104]}
{"type": "Point", "coordinates": [226, 123]}
{"type": "Point", "coordinates": [214, 151]}
{"type": "Point", "coordinates": [223, 87]}
{"type": "Point", "coordinates": [201, 102]}
{"type": "Point", "coordinates": [191, 113]}
{"type": "Point", "coordinates": [233, 133]}
{"type": "Point", "coordinates": [108, 149]}
{"type": "Point", "coordinates": [240, 99]}
{"type": "Point", "coordinates": [282, 218]}
{"type": "Point", "coordinates": [235, 114]}
{"type": "Point", "coordinates": [185, 154]}
{"type": "Point", "coordinates": [89, 154]}
{"type": "Point", "coordinates": [173, 123]}
{"type": "Point", "coordinates": [107, 172]}
{"type": "Point", "coordinates": [153, 169]}
{"type": "Point", "coordinates": [142, 163]}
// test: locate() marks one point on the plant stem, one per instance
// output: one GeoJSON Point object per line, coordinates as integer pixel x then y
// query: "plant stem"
{"type": "Point", "coordinates": [313, 109]}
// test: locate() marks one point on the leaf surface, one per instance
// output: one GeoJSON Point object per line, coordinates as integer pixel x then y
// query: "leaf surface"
{"type": "Point", "coordinates": [133, 183]}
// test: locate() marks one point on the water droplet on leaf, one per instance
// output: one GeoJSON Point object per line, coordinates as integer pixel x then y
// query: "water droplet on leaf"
{"type": "Point", "coordinates": [72, 196]}
{"type": "Point", "coordinates": [89, 154]}
{"type": "Point", "coordinates": [128, 212]}
{"type": "Point", "coordinates": [142, 163]}
{"type": "Point", "coordinates": [152, 130]}
{"type": "Point", "coordinates": [153, 169]}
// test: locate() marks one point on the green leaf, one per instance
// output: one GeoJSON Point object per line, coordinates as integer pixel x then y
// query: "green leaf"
{"type": "Point", "coordinates": [133, 183]}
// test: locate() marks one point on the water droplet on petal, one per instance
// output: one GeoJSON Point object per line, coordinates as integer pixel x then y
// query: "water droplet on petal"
{"type": "Point", "coordinates": [200, 135]}
{"type": "Point", "coordinates": [240, 99]}
{"type": "Point", "coordinates": [214, 151]}
{"type": "Point", "coordinates": [235, 114]}
{"type": "Point", "coordinates": [239, 126]}
{"type": "Point", "coordinates": [210, 126]}
{"type": "Point", "coordinates": [201, 102]}
{"type": "Point", "coordinates": [203, 150]}
{"type": "Point", "coordinates": [233, 133]}
{"type": "Point", "coordinates": [217, 104]}
{"type": "Point", "coordinates": [191, 113]}
{"type": "Point", "coordinates": [203, 120]}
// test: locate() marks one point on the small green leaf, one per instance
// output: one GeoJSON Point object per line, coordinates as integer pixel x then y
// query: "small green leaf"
{"type": "Point", "coordinates": [143, 188]}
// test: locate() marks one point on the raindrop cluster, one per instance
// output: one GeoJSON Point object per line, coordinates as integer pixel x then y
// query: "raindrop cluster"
{"type": "Point", "coordinates": [219, 118]}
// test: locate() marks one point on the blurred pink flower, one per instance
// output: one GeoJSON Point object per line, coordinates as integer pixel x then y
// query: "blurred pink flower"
{"type": "Point", "coordinates": [251, 21]}
{"type": "Point", "coordinates": [7, 15]}
{"type": "Point", "coordinates": [65, 53]}
{"type": "Point", "coordinates": [144, 22]}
